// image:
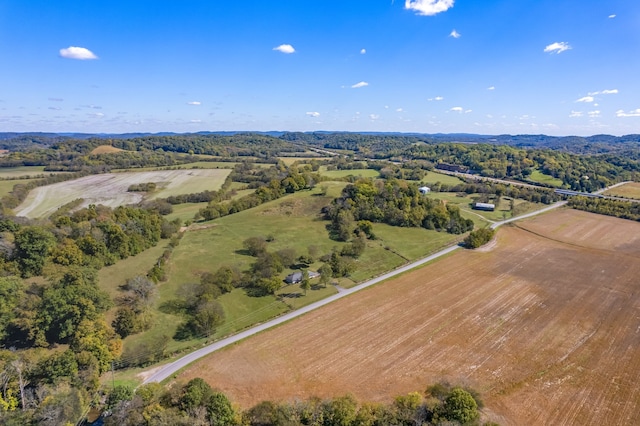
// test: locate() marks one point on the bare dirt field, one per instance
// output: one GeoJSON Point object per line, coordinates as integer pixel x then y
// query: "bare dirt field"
{"type": "Point", "coordinates": [546, 326]}
{"type": "Point", "coordinates": [110, 189]}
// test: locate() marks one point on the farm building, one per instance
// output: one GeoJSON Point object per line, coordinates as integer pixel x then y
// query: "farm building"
{"type": "Point", "coordinates": [424, 189]}
{"type": "Point", "coordinates": [484, 206]}
{"type": "Point", "coordinates": [452, 168]}
{"type": "Point", "coordinates": [296, 277]}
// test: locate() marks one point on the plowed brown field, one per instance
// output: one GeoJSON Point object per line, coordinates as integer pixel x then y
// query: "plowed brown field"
{"type": "Point", "coordinates": [546, 325]}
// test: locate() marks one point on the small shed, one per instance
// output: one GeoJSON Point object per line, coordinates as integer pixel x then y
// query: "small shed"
{"type": "Point", "coordinates": [484, 206]}
{"type": "Point", "coordinates": [424, 189]}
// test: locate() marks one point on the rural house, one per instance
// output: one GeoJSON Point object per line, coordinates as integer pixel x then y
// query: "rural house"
{"type": "Point", "coordinates": [296, 277]}
{"type": "Point", "coordinates": [424, 189]}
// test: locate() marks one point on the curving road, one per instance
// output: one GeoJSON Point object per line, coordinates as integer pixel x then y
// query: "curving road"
{"type": "Point", "coordinates": [168, 370]}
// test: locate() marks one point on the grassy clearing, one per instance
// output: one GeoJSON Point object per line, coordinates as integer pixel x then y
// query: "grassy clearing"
{"type": "Point", "coordinates": [185, 211]}
{"type": "Point", "coordinates": [105, 149]}
{"type": "Point", "coordinates": [194, 181]}
{"type": "Point", "coordinates": [538, 176]}
{"type": "Point", "coordinates": [628, 190]}
{"type": "Point", "coordinates": [433, 177]}
{"type": "Point", "coordinates": [412, 243]}
{"type": "Point", "coordinates": [335, 174]}
{"type": "Point", "coordinates": [6, 186]}
{"type": "Point", "coordinates": [290, 160]}
{"type": "Point", "coordinates": [22, 171]}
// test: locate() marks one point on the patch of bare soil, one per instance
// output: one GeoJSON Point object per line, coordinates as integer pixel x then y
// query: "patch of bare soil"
{"type": "Point", "coordinates": [546, 326]}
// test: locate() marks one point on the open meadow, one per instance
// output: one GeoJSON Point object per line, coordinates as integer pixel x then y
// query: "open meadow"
{"type": "Point", "coordinates": [110, 189]}
{"type": "Point", "coordinates": [545, 323]}
{"type": "Point", "coordinates": [628, 190]}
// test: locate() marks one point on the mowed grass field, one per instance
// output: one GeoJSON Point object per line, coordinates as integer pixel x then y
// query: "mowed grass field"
{"type": "Point", "coordinates": [365, 173]}
{"type": "Point", "coordinates": [538, 176]}
{"type": "Point", "coordinates": [545, 324]}
{"type": "Point", "coordinates": [110, 189]}
{"type": "Point", "coordinates": [628, 190]}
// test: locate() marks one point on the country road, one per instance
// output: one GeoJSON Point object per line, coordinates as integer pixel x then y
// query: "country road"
{"type": "Point", "coordinates": [172, 368]}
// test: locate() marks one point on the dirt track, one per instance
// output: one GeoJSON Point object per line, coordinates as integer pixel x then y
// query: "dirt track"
{"type": "Point", "coordinates": [546, 325]}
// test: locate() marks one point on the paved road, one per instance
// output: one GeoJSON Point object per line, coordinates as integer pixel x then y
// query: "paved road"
{"type": "Point", "coordinates": [172, 368]}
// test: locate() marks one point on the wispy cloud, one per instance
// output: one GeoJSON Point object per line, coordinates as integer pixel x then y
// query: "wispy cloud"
{"type": "Point", "coordinates": [491, 88]}
{"type": "Point", "coordinates": [313, 114]}
{"type": "Point", "coordinates": [575, 114]}
{"type": "Point", "coordinates": [194, 103]}
{"type": "Point", "coordinates": [437, 98]}
{"type": "Point", "coordinates": [612, 16]}
{"type": "Point", "coordinates": [55, 108]}
{"type": "Point", "coordinates": [360, 84]}
{"type": "Point", "coordinates": [586, 99]}
{"type": "Point", "coordinates": [604, 92]}
{"type": "Point", "coordinates": [374, 116]}
{"type": "Point", "coordinates": [363, 51]}
{"type": "Point", "coordinates": [594, 114]}
{"type": "Point", "coordinates": [557, 47]}
{"type": "Point", "coordinates": [455, 34]}
{"type": "Point", "coordinates": [285, 48]}
{"type": "Point", "coordinates": [428, 7]}
{"type": "Point", "coordinates": [74, 52]}
{"type": "Point", "coordinates": [56, 99]}
{"type": "Point", "coordinates": [399, 110]}
{"type": "Point", "coordinates": [195, 121]}
{"type": "Point", "coordinates": [457, 109]}
{"type": "Point", "coordinates": [632, 113]}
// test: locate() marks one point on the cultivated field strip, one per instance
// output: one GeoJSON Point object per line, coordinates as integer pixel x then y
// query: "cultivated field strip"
{"type": "Point", "coordinates": [548, 331]}
{"type": "Point", "coordinates": [110, 189]}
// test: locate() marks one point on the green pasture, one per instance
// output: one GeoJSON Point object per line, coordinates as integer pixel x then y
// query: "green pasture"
{"type": "Point", "coordinates": [336, 174]}
{"type": "Point", "coordinates": [433, 177]}
{"type": "Point", "coordinates": [6, 186]}
{"type": "Point", "coordinates": [194, 184]}
{"type": "Point", "coordinates": [22, 172]}
{"type": "Point", "coordinates": [290, 160]}
{"type": "Point", "coordinates": [628, 190]}
{"type": "Point", "coordinates": [185, 211]}
{"type": "Point", "coordinates": [412, 243]}
{"type": "Point", "coordinates": [539, 177]}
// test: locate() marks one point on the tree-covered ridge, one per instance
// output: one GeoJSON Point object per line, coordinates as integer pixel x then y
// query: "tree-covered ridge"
{"type": "Point", "coordinates": [578, 172]}
{"type": "Point", "coordinates": [394, 202]}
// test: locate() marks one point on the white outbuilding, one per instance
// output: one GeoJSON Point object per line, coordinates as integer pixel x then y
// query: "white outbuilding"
{"type": "Point", "coordinates": [424, 189]}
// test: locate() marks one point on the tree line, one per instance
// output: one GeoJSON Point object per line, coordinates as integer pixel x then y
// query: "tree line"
{"type": "Point", "coordinates": [196, 402]}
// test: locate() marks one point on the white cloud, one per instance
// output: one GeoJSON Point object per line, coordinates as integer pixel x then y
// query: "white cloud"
{"type": "Point", "coordinates": [55, 108]}
{"type": "Point", "coordinates": [491, 88]}
{"type": "Point", "coordinates": [468, 111]}
{"type": "Point", "coordinates": [428, 7]}
{"type": "Point", "coordinates": [195, 121]}
{"type": "Point", "coordinates": [594, 114]}
{"type": "Point", "coordinates": [457, 109]}
{"type": "Point", "coordinates": [612, 16]}
{"type": "Point", "coordinates": [81, 53]}
{"type": "Point", "coordinates": [285, 48]}
{"type": "Point", "coordinates": [399, 110]}
{"type": "Point", "coordinates": [437, 98]}
{"type": "Point", "coordinates": [363, 51]}
{"type": "Point", "coordinates": [56, 99]}
{"type": "Point", "coordinates": [557, 47]}
{"type": "Point", "coordinates": [610, 92]}
{"type": "Point", "coordinates": [374, 116]}
{"type": "Point", "coordinates": [97, 114]}
{"type": "Point", "coordinates": [455, 34]}
{"type": "Point", "coordinates": [575, 114]}
{"type": "Point", "coordinates": [313, 114]}
{"type": "Point", "coordinates": [633, 113]}
{"type": "Point", "coordinates": [359, 85]}
{"type": "Point", "coordinates": [194, 103]}
{"type": "Point", "coordinates": [586, 99]}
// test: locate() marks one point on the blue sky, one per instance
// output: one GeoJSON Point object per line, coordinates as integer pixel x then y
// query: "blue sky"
{"type": "Point", "coordinates": [561, 67]}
